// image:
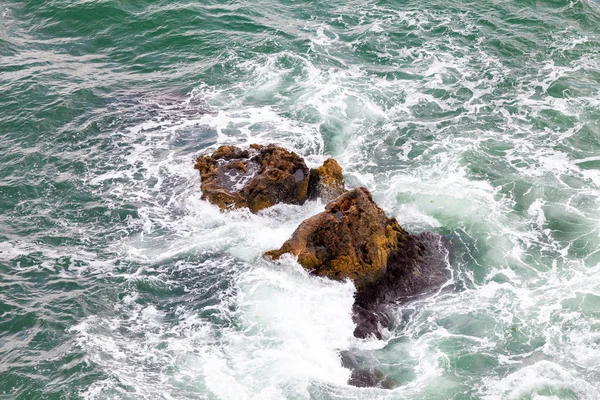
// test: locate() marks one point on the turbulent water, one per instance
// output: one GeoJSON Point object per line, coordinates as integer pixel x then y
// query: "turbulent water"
{"type": "Point", "coordinates": [479, 120]}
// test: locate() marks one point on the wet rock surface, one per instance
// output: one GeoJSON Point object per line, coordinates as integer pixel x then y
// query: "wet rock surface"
{"type": "Point", "coordinates": [256, 178]}
{"type": "Point", "coordinates": [262, 176]}
{"type": "Point", "coordinates": [418, 269]}
{"type": "Point", "coordinates": [354, 239]}
{"type": "Point", "coordinates": [327, 181]}
{"type": "Point", "coordinates": [371, 377]}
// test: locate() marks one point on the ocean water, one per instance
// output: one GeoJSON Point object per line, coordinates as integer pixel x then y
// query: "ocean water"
{"type": "Point", "coordinates": [479, 120]}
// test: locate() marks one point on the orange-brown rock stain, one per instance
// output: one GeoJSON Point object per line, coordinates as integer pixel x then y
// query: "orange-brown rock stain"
{"type": "Point", "coordinates": [351, 239]}
{"type": "Point", "coordinates": [327, 181]}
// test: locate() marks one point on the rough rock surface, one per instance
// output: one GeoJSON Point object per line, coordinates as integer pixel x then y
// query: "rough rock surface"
{"type": "Point", "coordinates": [262, 176]}
{"type": "Point", "coordinates": [418, 270]}
{"type": "Point", "coordinates": [257, 178]}
{"type": "Point", "coordinates": [326, 182]}
{"type": "Point", "coordinates": [354, 239]}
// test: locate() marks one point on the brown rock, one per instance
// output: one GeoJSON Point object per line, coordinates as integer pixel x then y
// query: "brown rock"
{"type": "Point", "coordinates": [326, 182]}
{"type": "Point", "coordinates": [256, 178]}
{"type": "Point", "coordinates": [352, 239]}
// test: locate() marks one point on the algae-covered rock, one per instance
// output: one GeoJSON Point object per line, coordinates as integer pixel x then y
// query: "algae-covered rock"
{"type": "Point", "coordinates": [257, 178]}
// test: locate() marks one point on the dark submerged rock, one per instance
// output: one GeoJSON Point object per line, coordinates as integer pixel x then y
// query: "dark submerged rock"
{"type": "Point", "coordinates": [371, 377]}
{"type": "Point", "coordinates": [415, 273]}
{"type": "Point", "coordinates": [369, 320]}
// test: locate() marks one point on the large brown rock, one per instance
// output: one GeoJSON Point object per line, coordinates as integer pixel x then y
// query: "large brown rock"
{"type": "Point", "coordinates": [256, 178]}
{"type": "Point", "coordinates": [354, 239]}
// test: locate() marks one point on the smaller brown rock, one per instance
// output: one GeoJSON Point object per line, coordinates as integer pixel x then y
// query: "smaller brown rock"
{"type": "Point", "coordinates": [326, 182]}
{"type": "Point", "coordinates": [257, 178]}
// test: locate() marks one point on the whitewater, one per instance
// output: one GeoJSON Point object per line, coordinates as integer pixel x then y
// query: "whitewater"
{"type": "Point", "coordinates": [479, 121]}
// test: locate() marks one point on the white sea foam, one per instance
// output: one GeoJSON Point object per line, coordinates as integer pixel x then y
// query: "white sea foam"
{"type": "Point", "coordinates": [288, 329]}
{"type": "Point", "coordinates": [540, 381]}
{"type": "Point", "coordinates": [529, 313]}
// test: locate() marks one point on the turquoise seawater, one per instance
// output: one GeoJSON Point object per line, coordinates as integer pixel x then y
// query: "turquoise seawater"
{"type": "Point", "coordinates": [479, 120]}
